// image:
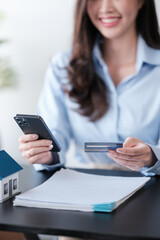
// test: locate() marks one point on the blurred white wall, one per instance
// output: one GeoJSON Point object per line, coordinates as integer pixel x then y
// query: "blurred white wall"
{"type": "Point", "coordinates": [157, 2]}
{"type": "Point", "coordinates": [37, 29]}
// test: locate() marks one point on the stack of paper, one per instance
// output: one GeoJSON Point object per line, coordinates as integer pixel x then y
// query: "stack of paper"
{"type": "Point", "coordinates": [72, 190]}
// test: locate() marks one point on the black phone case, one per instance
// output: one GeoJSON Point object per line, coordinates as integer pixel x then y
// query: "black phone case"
{"type": "Point", "coordinates": [34, 124]}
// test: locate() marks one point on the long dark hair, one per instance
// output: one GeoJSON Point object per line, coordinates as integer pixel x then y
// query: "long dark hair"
{"type": "Point", "coordinates": [88, 89]}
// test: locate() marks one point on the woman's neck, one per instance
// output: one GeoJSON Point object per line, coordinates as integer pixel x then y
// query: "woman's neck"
{"type": "Point", "coordinates": [120, 51]}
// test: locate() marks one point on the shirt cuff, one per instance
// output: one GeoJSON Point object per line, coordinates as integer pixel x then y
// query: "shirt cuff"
{"type": "Point", "coordinates": [155, 169]}
{"type": "Point", "coordinates": [51, 167]}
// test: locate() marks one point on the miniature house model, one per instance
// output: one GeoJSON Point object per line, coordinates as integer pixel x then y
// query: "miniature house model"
{"type": "Point", "coordinates": [9, 176]}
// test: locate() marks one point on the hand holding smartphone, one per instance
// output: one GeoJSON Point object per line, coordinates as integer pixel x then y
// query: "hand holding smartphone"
{"type": "Point", "coordinates": [34, 124]}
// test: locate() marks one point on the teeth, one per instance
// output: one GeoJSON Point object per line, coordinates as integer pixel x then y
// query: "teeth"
{"type": "Point", "coordinates": [109, 20]}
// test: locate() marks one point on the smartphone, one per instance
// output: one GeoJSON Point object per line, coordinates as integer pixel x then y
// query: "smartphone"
{"type": "Point", "coordinates": [34, 124]}
{"type": "Point", "coordinates": [101, 146]}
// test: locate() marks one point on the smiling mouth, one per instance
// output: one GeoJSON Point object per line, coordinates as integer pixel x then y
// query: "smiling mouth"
{"type": "Point", "coordinates": [109, 20]}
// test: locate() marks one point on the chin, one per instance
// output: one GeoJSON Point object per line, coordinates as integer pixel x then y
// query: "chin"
{"type": "Point", "coordinates": [110, 36]}
{"type": "Point", "coordinates": [113, 35]}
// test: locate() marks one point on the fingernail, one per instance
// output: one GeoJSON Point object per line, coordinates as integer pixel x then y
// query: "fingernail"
{"type": "Point", "coordinates": [49, 142]}
{"type": "Point", "coordinates": [35, 136]}
{"type": "Point", "coordinates": [111, 151]}
{"type": "Point", "coordinates": [110, 154]}
{"type": "Point", "coordinates": [51, 146]}
{"type": "Point", "coordinates": [119, 150]}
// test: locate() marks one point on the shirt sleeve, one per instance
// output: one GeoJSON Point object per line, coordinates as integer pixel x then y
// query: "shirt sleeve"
{"type": "Point", "coordinates": [155, 169]}
{"type": "Point", "coordinates": [52, 107]}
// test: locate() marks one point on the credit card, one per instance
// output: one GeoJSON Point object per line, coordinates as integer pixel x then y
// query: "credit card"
{"type": "Point", "coordinates": [101, 146]}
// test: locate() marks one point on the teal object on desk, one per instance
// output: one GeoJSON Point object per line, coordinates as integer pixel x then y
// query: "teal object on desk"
{"type": "Point", "coordinates": [109, 207]}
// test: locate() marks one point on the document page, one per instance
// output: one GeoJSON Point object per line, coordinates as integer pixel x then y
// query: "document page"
{"type": "Point", "coordinates": [73, 190]}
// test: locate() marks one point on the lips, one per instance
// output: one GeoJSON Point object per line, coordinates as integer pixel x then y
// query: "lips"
{"type": "Point", "coordinates": [110, 21]}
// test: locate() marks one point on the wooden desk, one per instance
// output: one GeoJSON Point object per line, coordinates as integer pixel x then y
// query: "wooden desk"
{"type": "Point", "coordinates": [137, 218]}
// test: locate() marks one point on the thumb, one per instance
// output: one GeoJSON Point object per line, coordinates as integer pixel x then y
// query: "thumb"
{"type": "Point", "coordinates": [131, 142]}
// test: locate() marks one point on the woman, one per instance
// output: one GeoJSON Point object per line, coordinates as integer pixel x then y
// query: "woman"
{"type": "Point", "coordinates": [106, 88]}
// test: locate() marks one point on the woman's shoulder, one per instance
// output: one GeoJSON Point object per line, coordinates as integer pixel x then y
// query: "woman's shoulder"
{"type": "Point", "coordinates": [61, 59]}
{"type": "Point", "coordinates": [57, 69]}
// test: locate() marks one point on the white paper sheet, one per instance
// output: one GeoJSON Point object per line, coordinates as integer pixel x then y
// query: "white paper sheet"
{"type": "Point", "coordinates": [69, 189]}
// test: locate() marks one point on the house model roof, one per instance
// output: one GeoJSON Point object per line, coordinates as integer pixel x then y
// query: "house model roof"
{"type": "Point", "coordinates": [8, 165]}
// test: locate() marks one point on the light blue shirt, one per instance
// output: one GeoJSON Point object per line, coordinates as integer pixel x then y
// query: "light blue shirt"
{"type": "Point", "coordinates": [134, 108]}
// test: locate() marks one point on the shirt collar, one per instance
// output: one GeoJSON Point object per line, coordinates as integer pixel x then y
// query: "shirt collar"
{"type": "Point", "coordinates": [145, 54]}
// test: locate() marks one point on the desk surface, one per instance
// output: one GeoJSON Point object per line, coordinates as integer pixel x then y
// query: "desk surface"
{"type": "Point", "coordinates": [137, 218]}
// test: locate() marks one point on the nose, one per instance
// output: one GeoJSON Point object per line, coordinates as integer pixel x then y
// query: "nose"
{"type": "Point", "coordinates": [106, 6]}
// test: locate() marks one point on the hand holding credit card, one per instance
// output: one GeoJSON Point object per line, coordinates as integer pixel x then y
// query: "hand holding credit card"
{"type": "Point", "coordinates": [101, 146]}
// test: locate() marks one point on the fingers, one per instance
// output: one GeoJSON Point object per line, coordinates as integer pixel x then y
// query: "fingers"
{"type": "Point", "coordinates": [127, 157]}
{"type": "Point", "coordinates": [129, 162]}
{"type": "Point", "coordinates": [27, 138]}
{"type": "Point", "coordinates": [34, 150]}
{"type": "Point", "coordinates": [41, 158]}
{"type": "Point", "coordinates": [34, 144]}
{"type": "Point", "coordinates": [131, 141]}
{"type": "Point", "coordinates": [137, 150]}
{"type": "Point", "coordinates": [134, 157]}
